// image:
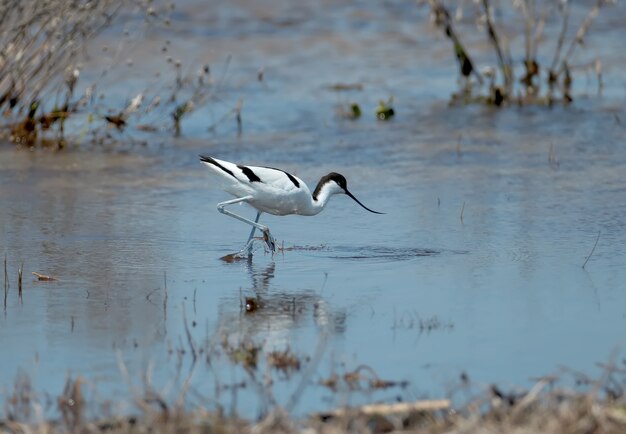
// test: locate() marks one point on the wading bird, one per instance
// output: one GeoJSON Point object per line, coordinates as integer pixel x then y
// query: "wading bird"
{"type": "Point", "coordinates": [273, 191]}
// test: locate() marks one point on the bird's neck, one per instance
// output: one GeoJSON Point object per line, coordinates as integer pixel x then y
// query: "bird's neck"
{"type": "Point", "coordinates": [320, 197]}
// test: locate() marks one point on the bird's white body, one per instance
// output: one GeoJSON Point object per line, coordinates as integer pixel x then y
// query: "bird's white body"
{"type": "Point", "coordinates": [273, 191]}
{"type": "Point", "coordinates": [276, 192]}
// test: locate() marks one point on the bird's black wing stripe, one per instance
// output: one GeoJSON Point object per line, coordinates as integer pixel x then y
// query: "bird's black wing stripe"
{"type": "Point", "coordinates": [289, 175]}
{"type": "Point", "coordinates": [212, 161]}
{"type": "Point", "coordinates": [252, 177]}
{"type": "Point", "coordinates": [292, 179]}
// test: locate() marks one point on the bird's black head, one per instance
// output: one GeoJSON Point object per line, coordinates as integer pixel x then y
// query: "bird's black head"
{"type": "Point", "coordinates": [340, 180]}
{"type": "Point", "coordinates": [332, 177]}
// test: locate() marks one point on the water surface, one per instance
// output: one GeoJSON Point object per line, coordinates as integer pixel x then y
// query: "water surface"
{"type": "Point", "coordinates": [489, 218]}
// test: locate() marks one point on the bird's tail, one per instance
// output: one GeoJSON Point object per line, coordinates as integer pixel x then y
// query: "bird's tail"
{"type": "Point", "coordinates": [207, 159]}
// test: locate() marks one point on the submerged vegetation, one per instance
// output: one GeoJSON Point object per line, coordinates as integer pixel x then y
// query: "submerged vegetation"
{"type": "Point", "coordinates": [536, 78]}
{"type": "Point", "coordinates": [49, 98]}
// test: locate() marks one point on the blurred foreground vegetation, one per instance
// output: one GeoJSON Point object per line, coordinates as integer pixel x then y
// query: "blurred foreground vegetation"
{"type": "Point", "coordinates": [567, 401]}
{"type": "Point", "coordinates": [546, 408]}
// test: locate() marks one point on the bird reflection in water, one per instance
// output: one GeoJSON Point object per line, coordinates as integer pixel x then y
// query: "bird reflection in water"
{"type": "Point", "coordinates": [276, 314]}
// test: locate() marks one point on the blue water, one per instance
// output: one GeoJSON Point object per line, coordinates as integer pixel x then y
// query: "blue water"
{"type": "Point", "coordinates": [484, 236]}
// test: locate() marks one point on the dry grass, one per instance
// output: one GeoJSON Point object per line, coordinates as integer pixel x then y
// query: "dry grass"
{"type": "Point", "coordinates": [43, 45]}
{"type": "Point", "coordinates": [570, 402]}
{"type": "Point", "coordinates": [41, 42]}
{"type": "Point", "coordinates": [541, 410]}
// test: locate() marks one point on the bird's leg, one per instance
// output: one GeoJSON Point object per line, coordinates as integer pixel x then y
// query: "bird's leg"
{"type": "Point", "coordinates": [250, 241]}
{"type": "Point", "coordinates": [269, 240]}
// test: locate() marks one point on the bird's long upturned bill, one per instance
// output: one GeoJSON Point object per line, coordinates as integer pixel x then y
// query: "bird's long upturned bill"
{"type": "Point", "coordinates": [357, 201]}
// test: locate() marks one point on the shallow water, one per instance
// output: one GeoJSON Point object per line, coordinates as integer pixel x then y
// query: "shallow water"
{"type": "Point", "coordinates": [483, 238]}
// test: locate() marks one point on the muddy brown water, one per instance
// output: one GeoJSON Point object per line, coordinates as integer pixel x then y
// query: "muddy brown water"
{"type": "Point", "coordinates": [489, 217]}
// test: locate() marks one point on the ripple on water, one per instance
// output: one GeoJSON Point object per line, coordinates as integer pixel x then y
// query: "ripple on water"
{"type": "Point", "coordinates": [381, 253]}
